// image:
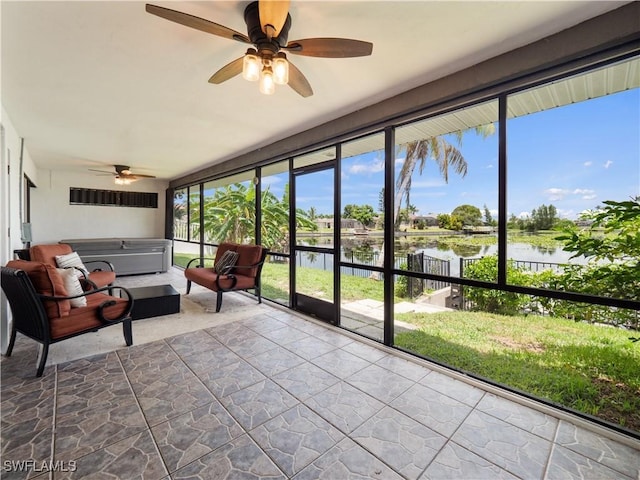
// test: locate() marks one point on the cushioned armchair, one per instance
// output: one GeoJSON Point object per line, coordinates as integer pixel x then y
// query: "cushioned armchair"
{"type": "Point", "coordinates": [243, 275]}
{"type": "Point", "coordinates": [42, 308]}
{"type": "Point", "coordinates": [101, 276]}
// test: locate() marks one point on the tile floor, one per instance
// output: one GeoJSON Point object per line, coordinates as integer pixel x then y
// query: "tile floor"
{"type": "Point", "coordinates": [273, 395]}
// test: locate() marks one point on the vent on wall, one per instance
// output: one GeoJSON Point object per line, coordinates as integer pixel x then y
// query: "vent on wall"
{"type": "Point", "coordinates": [114, 198]}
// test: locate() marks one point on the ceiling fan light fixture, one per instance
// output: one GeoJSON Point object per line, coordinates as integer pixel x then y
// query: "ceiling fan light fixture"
{"type": "Point", "coordinates": [267, 82]}
{"type": "Point", "coordinates": [251, 66]}
{"type": "Point", "coordinates": [280, 69]}
{"type": "Point", "coordinates": [122, 180]}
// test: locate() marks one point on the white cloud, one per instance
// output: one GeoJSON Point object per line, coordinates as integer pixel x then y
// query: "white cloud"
{"type": "Point", "coordinates": [374, 167]}
{"type": "Point", "coordinates": [489, 166]}
{"type": "Point", "coordinates": [608, 163]}
{"type": "Point", "coordinates": [524, 215]}
{"type": "Point", "coordinates": [588, 164]}
{"type": "Point", "coordinates": [555, 194]}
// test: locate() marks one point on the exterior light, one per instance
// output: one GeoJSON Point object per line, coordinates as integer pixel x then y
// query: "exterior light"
{"type": "Point", "coordinates": [251, 66]}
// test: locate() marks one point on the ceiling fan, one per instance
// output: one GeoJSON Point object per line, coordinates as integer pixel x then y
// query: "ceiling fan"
{"type": "Point", "coordinates": [122, 174]}
{"type": "Point", "coordinates": [268, 23]}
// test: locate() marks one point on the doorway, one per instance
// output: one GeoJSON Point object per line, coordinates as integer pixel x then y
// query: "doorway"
{"type": "Point", "coordinates": [313, 252]}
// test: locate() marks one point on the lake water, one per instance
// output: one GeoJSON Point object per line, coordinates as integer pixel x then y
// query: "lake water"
{"type": "Point", "coordinates": [362, 249]}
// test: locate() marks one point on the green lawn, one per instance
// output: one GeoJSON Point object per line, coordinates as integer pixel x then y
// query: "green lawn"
{"type": "Point", "coordinates": [588, 368]}
{"type": "Point", "coordinates": [591, 368]}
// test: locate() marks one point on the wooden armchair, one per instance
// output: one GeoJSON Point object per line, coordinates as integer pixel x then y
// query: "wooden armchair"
{"type": "Point", "coordinates": [244, 275]}
{"type": "Point", "coordinates": [41, 307]}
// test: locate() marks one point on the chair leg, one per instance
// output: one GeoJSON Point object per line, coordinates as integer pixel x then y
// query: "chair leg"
{"type": "Point", "coordinates": [42, 355]}
{"type": "Point", "coordinates": [188, 286]}
{"type": "Point", "coordinates": [218, 301]}
{"type": "Point", "coordinates": [128, 332]}
{"type": "Point", "coordinates": [12, 341]}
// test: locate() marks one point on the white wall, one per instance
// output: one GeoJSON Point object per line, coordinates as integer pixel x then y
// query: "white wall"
{"type": "Point", "coordinates": [54, 219]}
{"type": "Point", "coordinates": [10, 204]}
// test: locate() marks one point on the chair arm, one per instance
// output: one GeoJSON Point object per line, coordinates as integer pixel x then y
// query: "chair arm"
{"type": "Point", "coordinates": [228, 276]}
{"type": "Point", "coordinates": [85, 279]}
{"type": "Point", "coordinates": [200, 260]}
{"type": "Point", "coordinates": [103, 305]}
{"type": "Point", "coordinates": [108, 264]}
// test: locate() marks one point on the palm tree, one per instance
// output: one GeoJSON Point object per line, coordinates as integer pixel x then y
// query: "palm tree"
{"type": "Point", "coordinates": [443, 153]}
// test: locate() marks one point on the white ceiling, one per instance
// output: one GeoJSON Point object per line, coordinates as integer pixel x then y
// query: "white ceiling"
{"type": "Point", "coordinates": [91, 84]}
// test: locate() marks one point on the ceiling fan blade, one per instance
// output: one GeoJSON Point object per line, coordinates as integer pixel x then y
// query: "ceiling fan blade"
{"type": "Point", "coordinates": [101, 171]}
{"type": "Point", "coordinates": [330, 47]}
{"type": "Point", "coordinates": [299, 82]}
{"type": "Point", "coordinates": [273, 14]}
{"type": "Point", "coordinates": [197, 23]}
{"type": "Point", "coordinates": [139, 175]}
{"type": "Point", "coordinates": [230, 70]}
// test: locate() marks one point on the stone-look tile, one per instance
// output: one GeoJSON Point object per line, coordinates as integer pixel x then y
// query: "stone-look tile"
{"type": "Point", "coordinates": [133, 458]}
{"type": "Point", "coordinates": [403, 367]}
{"type": "Point", "coordinates": [161, 400]}
{"type": "Point", "coordinates": [27, 406]}
{"type": "Point", "coordinates": [305, 380]}
{"type": "Point", "coordinates": [188, 437]}
{"type": "Point", "coordinates": [146, 351]}
{"type": "Point", "coordinates": [258, 403]}
{"type": "Point", "coordinates": [192, 342]}
{"type": "Point", "coordinates": [310, 347]}
{"type": "Point", "coordinates": [347, 461]}
{"type": "Point", "coordinates": [333, 338]}
{"type": "Point", "coordinates": [401, 442]}
{"type": "Point", "coordinates": [283, 336]}
{"type": "Point", "coordinates": [19, 369]}
{"type": "Point", "coordinates": [366, 352]}
{"type": "Point", "coordinates": [226, 380]}
{"type": "Point", "coordinates": [344, 406]}
{"type": "Point", "coordinates": [251, 344]}
{"type": "Point", "coordinates": [25, 445]}
{"type": "Point", "coordinates": [521, 453]}
{"type": "Point", "coordinates": [164, 366]}
{"type": "Point", "coordinates": [380, 383]}
{"type": "Point", "coordinates": [567, 464]}
{"type": "Point", "coordinates": [619, 457]}
{"type": "Point", "coordinates": [240, 458]}
{"type": "Point", "coordinates": [92, 427]}
{"type": "Point", "coordinates": [216, 357]}
{"type": "Point", "coordinates": [519, 415]}
{"type": "Point", "coordinates": [275, 361]}
{"type": "Point", "coordinates": [456, 389]}
{"type": "Point", "coordinates": [453, 461]}
{"type": "Point", "coordinates": [433, 409]}
{"type": "Point", "coordinates": [102, 368]}
{"type": "Point", "coordinates": [262, 323]}
{"type": "Point", "coordinates": [340, 363]}
{"type": "Point", "coordinates": [296, 438]}
{"type": "Point", "coordinates": [230, 332]}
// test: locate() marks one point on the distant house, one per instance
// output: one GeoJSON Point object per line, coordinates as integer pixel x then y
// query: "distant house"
{"type": "Point", "coordinates": [345, 224]}
{"type": "Point", "coordinates": [429, 220]}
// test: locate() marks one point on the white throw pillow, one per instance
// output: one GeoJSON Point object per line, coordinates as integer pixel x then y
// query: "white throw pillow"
{"type": "Point", "coordinates": [72, 260]}
{"type": "Point", "coordinates": [73, 287]}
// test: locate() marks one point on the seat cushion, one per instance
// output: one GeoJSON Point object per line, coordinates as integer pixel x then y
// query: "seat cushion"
{"type": "Point", "coordinates": [102, 278]}
{"type": "Point", "coordinates": [248, 255]}
{"type": "Point", "coordinates": [207, 278]}
{"type": "Point", "coordinates": [85, 318]}
{"type": "Point", "coordinates": [47, 253]}
{"type": "Point", "coordinates": [47, 281]}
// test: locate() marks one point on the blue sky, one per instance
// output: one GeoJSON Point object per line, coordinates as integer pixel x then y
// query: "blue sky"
{"type": "Point", "coordinates": [573, 157]}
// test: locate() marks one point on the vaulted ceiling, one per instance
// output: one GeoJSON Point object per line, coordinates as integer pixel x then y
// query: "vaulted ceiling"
{"type": "Point", "coordinates": [91, 84]}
